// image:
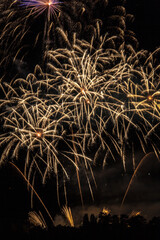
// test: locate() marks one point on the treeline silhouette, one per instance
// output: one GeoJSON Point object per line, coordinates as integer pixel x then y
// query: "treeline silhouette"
{"type": "Point", "coordinates": [104, 226]}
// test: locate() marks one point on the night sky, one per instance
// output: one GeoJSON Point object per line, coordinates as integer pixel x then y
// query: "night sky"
{"type": "Point", "coordinates": [112, 181]}
{"type": "Point", "coordinates": [147, 22]}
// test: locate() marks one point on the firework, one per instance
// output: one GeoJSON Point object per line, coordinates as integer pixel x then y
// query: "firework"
{"type": "Point", "coordinates": [91, 92]}
{"type": "Point", "coordinates": [94, 97]}
{"type": "Point", "coordinates": [40, 6]}
{"type": "Point", "coordinates": [98, 95]}
{"type": "Point", "coordinates": [36, 126]}
{"type": "Point", "coordinates": [31, 125]}
{"type": "Point", "coordinates": [31, 27]}
{"type": "Point", "coordinates": [26, 25]}
{"type": "Point", "coordinates": [34, 191]}
{"type": "Point", "coordinates": [68, 214]}
{"type": "Point", "coordinates": [38, 135]}
{"type": "Point", "coordinates": [106, 211]}
{"type": "Point", "coordinates": [83, 93]}
{"type": "Point", "coordinates": [134, 174]}
{"type": "Point", "coordinates": [34, 130]}
{"type": "Point", "coordinates": [134, 95]}
{"type": "Point", "coordinates": [134, 214]}
{"type": "Point", "coordinates": [143, 98]}
{"type": "Point", "coordinates": [37, 219]}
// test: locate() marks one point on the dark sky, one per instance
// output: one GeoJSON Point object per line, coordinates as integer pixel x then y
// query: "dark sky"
{"type": "Point", "coordinates": [147, 22]}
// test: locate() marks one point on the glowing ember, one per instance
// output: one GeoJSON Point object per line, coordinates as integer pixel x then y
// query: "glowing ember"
{"type": "Point", "coordinates": [106, 211]}
{"type": "Point", "coordinates": [87, 101]}
{"type": "Point", "coordinates": [83, 91]}
{"type": "Point", "coordinates": [150, 98]}
{"type": "Point", "coordinates": [38, 134]}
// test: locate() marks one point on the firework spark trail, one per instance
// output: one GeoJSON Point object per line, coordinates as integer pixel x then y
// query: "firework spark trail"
{"type": "Point", "coordinates": [133, 176]}
{"type": "Point", "coordinates": [78, 178]}
{"type": "Point", "coordinates": [68, 214]}
{"type": "Point", "coordinates": [37, 219]}
{"type": "Point", "coordinates": [32, 188]}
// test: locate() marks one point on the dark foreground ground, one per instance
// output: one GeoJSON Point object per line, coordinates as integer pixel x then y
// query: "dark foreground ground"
{"type": "Point", "coordinates": [104, 226]}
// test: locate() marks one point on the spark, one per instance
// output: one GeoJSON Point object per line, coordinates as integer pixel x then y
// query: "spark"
{"type": "Point", "coordinates": [83, 91]}
{"type": "Point", "coordinates": [150, 98]}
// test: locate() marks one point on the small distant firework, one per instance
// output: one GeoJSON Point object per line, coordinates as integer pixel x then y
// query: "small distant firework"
{"type": "Point", "coordinates": [33, 191]}
{"type": "Point", "coordinates": [68, 214]}
{"type": "Point", "coordinates": [37, 220]}
{"type": "Point", "coordinates": [40, 6]}
{"type": "Point", "coordinates": [106, 211]}
{"type": "Point", "coordinates": [134, 214]}
{"type": "Point", "coordinates": [26, 23]}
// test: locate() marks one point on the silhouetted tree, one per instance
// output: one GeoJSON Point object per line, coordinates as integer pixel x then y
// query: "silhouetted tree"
{"type": "Point", "coordinates": [115, 220]}
{"type": "Point", "coordinates": [93, 220]}
{"type": "Point", "coordinates": [124, 220]}
{"type": "Point", "coordinates": [85, 220]}
{"type": "Point", "coordinates": [137, 221]}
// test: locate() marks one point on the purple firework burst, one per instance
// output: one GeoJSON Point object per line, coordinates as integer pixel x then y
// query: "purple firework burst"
{"type": "Point", "coordinates": [39, 6]}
